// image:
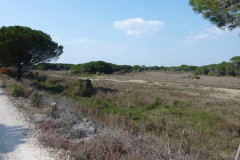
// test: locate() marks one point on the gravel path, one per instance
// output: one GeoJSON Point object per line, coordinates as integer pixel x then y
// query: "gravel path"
{"type": "Point", "coordinates": [16, 136]}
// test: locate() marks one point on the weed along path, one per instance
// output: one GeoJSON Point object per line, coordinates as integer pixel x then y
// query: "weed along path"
{"type": "Point", "coordinates": [16, 137]}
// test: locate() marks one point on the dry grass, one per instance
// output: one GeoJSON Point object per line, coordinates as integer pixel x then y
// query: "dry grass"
{"type": "Point", "coordinates": [211, 124]}
{"type": "Point", "coordinates": [185, 118]}
{"type": "Point", "coordinates": [115, 145]}
{"type": "Point", "coordinates": [183, 79]}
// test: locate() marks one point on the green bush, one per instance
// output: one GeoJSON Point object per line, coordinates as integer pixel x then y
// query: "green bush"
{"type": "Point", "coordinates": [211, 73]}
{"type": "Point", "coordinates": [196, 77]}
{"type": "Point", "coordinates": [80, 88]}
{"type": "Point", "coordinates": [29, 75]}
{"type": "Point", "coordinates": [54, 81]}
{"type": "Point", "coordinates": [157, 101]}
{"type": "Point", "coordinates": [36, 76]}
{"type": "Point", "coordinates": [36, 99]}
{"type": "Point", "coordinates": [16, 89]}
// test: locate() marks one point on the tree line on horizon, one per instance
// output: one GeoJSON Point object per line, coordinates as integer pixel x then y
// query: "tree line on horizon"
{"type": "Point", "coordinates": [231, 68]}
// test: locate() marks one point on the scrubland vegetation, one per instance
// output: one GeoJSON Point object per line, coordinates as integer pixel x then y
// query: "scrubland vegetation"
{"type": "Point", "coordinates": [163, 116]}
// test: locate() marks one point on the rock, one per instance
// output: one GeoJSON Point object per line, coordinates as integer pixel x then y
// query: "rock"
{"type": "Point", "coordinates": [68, 117]}
{"type": "Point", "coordinates": [84, 119]}
{"type": "Point", "coordinates": [54, 104]}
{"type": "Point", "coordinates": [83, 130]}
{"type": "Point", "coordinates": [39, 118]}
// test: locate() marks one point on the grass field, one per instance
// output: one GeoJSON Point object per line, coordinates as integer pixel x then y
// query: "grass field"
{"type": "Point", "coordinates": [193, 117]}
{"type": "Point", "coordinates": [199, 117]}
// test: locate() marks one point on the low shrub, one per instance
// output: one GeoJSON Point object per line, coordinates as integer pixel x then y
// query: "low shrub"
{"type": "Point", "coordinates": [36, 76]}
{"type": "Point", "coordinates": [157, 101]}
{"type": "Point", "coordinates": [36, 99]}
{"type": "Point", "coordinates": [50, 87]}
{"type": "Point", "coordinates": [211, 73]}
{"type": "Point", "coordinates": [196, 77]}
{"type": "Point", "coordinates": [54, 81]}
{"type": "Point", "coordinates": [80, 88]}
{"type": "Point", "coordinates": [29, 75]}
{"type": "Point", "coordinates": [192, 76]}
{"type": "Point", "coordinates": [16, 89]}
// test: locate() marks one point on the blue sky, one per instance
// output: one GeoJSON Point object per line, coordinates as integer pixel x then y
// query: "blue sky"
{"type": "Point", "coordinates": [146, 32]}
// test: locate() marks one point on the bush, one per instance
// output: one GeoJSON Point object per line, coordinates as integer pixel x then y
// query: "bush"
{"type": "Point", "coordinates": [80, 88]}
{"type": "Point", "coordinates": [196, 77]}
{"type": "Point", "coordinates": [29, 75]}
{"type": "Point", "coordinates": [211, 73]}
{"type": "Point", "coordinates": [36, 99]}
{"type": "Point", "coordinates": [36, 76]}
{"type": "Point", "coordinates": [16, 89]}
{"type": "Point", "coordinates": [54, 81]}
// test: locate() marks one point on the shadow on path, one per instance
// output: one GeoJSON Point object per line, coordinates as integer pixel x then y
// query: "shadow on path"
{"type": "Point", "coordinates": [2, 86]}
{"type": "Point", "coordinates": [11, 137]}
{"type": "Point", "coordinates": [1, 93]}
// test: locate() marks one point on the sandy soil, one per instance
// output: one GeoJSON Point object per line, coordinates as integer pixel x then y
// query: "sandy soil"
{"type": "Point", "coordinates": [17, 140]}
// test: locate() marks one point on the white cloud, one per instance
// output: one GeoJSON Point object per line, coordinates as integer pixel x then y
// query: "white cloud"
{"type": "Point", "coordinates": [138, 26]}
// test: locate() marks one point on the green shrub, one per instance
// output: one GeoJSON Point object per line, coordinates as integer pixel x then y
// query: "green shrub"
{"type": "Point", "coordinates": [50, 85]}
{"type": "Point", "coordinates": [36, 76]}
{"type": "Point", "coordinates": [36, 99]}
{"type": "Point", "coordinates": [157, 101]}
{"type": "Point", "coordinates": [29, 75]}
{"type": "Point", "coordinates": [196, 76]}
{"type": "Point", "coordinates": [211, 73]}
{"type": "Point", "coordinates": [16, 89]}
{"type": "Point", "coordinates": [80, 88]}
{"type": "Point", "coordinates": [54, 81]}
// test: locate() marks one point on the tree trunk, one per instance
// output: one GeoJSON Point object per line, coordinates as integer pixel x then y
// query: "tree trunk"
{"type": "Point", "coordinates": [19, 73]}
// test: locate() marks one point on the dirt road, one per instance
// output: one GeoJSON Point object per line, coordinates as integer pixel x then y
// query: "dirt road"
{"type": "Point", "coordinates": [16, 136]}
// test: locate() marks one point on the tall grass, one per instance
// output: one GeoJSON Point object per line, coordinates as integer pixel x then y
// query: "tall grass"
{"type": "Point", "coordinates": [189, 120]}
{"type": "Point", "coordinates": [211, 125]}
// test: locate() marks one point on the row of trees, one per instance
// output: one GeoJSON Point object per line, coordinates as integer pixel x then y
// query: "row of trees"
{"type": "Point", "coordinates": [51, 66]}
{"type": "Point", "coordinates": [231, 68]}
{"type": "Point", "coordinates": [109, 68]}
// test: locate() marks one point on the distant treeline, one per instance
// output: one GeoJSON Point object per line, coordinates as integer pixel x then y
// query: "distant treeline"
{"type": "Point", "coordinates": [222, 69]}
{"type": "Point", "coordinates": [108, 68]}
{"type": "Point", "coordinates": [51, 66]}
{"type": "Point", "coordinates": [231, 68]}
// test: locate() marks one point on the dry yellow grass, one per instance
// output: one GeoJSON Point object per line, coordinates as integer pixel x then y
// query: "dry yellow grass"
{"type": "Point", "coordinates": [168, 105]}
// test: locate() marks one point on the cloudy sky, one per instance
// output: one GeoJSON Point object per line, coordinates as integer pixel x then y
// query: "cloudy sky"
{"type": "Point", "coordinates": [143, 32]}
